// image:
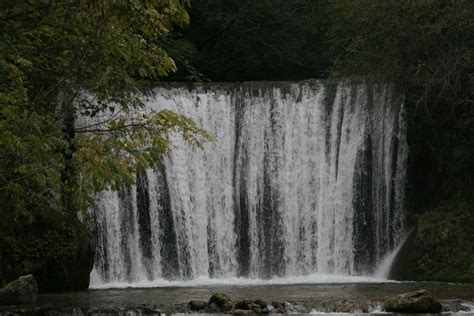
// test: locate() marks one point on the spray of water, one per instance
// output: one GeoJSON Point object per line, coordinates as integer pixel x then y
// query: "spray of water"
{"type": "Point", "coordinates": [304, 179]}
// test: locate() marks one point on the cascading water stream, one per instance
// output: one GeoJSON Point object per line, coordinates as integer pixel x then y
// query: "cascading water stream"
{"type": "Point", "coordinates": [303, 178]}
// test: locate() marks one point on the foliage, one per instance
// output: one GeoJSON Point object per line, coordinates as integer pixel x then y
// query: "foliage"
{"type": "Point", "coordinates": [258, 40]}
{"type": "Point", "coordinates": [56, 248]}
{"type": "Point", "coordinates": [111, 154]}
{"type": "Point", "coordinates": [426, 47]}
{"type": "Point", "coordinates": [443, 249]}
{"type": "Point", "coordinates": [51, 53]}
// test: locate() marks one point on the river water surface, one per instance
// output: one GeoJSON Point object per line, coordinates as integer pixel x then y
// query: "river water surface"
{"type": "Point", "coordinates": [308, 298]}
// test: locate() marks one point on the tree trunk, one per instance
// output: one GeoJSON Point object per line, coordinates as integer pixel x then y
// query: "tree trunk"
{"type": "Point", "coordinates": [69, 172]}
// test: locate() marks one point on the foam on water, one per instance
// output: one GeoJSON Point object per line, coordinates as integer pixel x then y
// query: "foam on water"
{"type": "Point", "coordinates": [205, 281]}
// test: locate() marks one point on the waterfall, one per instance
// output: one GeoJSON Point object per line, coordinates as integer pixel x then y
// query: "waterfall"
{"type": "Point", "coordinates": [303, 178]}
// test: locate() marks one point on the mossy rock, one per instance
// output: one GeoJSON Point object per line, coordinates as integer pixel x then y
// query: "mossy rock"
{"type": "Point", "coordinates": [21, 291]}
{"type": "Point", "coordinates": [196, 306]}
{"type": "Point", "coordinates": [419, 302]}
{"type": "Point", "coordinates": [243, 305]}
{"type": "Point", "coordinates": [56, 250]}
{"type": "Point", "coordinates": [222, 301]}
{"type": "Point", "coordinates": [443, 249]}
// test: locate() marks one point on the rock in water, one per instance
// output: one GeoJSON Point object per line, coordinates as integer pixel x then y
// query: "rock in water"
{"type": "Point", "coordinates": [213, 308]}
{"type": "Point", "coordinates": [222, 301]}
{"type": "Point", "coordinates": [239, 312]}
{"type": "Point", "coordinates": [262, 304]}
{"type": "Point", "coordinates": [197, 305]}
{"type": "Point", "coordinates": [22, 290]}
{"type": "Point", "coordinates": [418, 302]}
{"type": "Point", "coordinates": [243, 305]}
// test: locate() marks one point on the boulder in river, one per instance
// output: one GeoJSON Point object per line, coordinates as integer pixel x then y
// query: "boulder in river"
{"type": "Point", "coordinates": [240, 312]}
{"type": "Point", "coordinates": [213, 308]}
{"type": "Point", "coordinates": [227, 307]}
{"type": "Point", "coordinates": [21, 291]}
{"type": "Point", "coordinates": [262, 304]}
{"type": "Point", "coordinates": [456, 305]}
{"type": "Point", "coordinates": [222, 301]}
{"type": "Point", "coordinates": [243, 305]}
{"type": "Point", "coordinates": [256, 309]}
{"type": "Point", "coordinates": [418, 302]}
{"type": "Point", "coordinates": [197, 305]}
{"type": "Point", "coordinates": [279, 307]}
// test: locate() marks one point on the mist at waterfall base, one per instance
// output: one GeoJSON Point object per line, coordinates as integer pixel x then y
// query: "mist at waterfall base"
{"type": "Point", "coordinates": [305, 183]}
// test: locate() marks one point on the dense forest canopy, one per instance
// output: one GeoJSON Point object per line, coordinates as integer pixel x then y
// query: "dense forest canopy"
{"type": "Point", "coordinates": [260, 40]}
{"type": "Point", "coordinates": [60, 60]}
{"type": "Point", "coordinates": [53, 51]}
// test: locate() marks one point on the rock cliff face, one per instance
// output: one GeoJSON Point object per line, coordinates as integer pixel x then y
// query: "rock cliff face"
{"type": "Point", "coordinates": [56, 250]}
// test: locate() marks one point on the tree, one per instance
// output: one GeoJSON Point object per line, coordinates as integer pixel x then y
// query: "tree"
{"type": "Point", "coordinates": [60, 60]}
{"type": "Point", "coordinates": [258, 40]}
{"type": "Point", "coordinates": [426, 48]}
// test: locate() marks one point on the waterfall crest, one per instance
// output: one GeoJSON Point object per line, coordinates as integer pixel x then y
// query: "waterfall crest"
{"type": "Point", "coordinates": [303, 178]}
